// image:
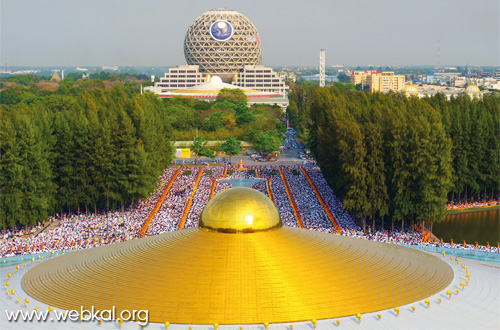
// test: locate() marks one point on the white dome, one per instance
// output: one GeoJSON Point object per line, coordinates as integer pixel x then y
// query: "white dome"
{"type": "Point", "coordinates": [216, 80]}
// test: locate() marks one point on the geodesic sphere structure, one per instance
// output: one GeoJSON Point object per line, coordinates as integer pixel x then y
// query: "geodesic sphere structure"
{"type": "Point", "coordinates": [222, 41]}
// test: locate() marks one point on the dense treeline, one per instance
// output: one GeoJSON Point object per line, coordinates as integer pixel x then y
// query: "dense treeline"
{"type": "Point", "coordinates": [29, 88]}
{"type": "Point", "coordinates": [73, 146]}
{"type": "Point", "coordinates": [390, 155]}
{"type": "Point", "coordinates": [229, 115]}
{"type": "Point", "coordinates": [65, 152]}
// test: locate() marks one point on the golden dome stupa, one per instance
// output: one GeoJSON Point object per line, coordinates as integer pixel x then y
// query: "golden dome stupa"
{"type": "Point", "coordinates": [241, 266]}
{"type": "Point", "coordinates": [410, 89]}
{"type": "Point", "coordinates": [472, 89]}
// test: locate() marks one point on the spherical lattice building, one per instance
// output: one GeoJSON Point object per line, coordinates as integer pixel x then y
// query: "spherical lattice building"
{"type": "Point", "coordinates": [222, 42]}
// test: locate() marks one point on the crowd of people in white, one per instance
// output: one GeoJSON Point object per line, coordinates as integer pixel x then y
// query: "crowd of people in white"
{"type": "Point", "coordinates": [280, 196]}
{"type": "Point", "coordinates": [169, 215]}
{"type": "Point", "coordinates": [344, 219]}
{"type": "Point", "coordinates": [202, 194]}
{"type": "Point", "coordinates": [86, 231]}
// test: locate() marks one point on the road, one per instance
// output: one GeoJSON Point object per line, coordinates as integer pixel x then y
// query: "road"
{"type": "Point", "coordinates": [286, 157]}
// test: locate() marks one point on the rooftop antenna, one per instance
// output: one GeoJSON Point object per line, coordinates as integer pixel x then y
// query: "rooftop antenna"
{"type": "Point", "coordinates": [322, 68]}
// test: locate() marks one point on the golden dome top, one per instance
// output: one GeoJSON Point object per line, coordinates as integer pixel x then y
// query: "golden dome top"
{"type": "Point", "coordinates": [240, 210]}
{"type": "Point", "coordinates": [411, 89]}
{"type": "Point", "coordinates": [472, 88]}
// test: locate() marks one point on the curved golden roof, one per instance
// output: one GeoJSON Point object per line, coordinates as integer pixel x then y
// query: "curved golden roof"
{"type": "Point", "coordinates": [240, 210]}
{"type": "Point", "coordinates": [472, 88]}
{"type": "Point", "coordinates": [410, 88]}
{"type": "Point", "coordinates": [200, 276]}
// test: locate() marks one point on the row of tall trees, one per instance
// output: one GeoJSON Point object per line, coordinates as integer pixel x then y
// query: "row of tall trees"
{"type": "Point", "coordinates": [67, 153]}
{"type": "Point", "coordinates": [390, 155]}
{"type": "Point", "coordinates": [97, 145]}
{"type": "Point", "coordinates": [229, 115]}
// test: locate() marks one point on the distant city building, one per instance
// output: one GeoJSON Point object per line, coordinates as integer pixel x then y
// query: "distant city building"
{"type": "Point", "coordinates": [465, 81]}
{"type": "Point", "coordinates": [385, 82]}
{"type": "Point", "coordinates": [441, 78]}
{"type": "Point", "coordinates": [359, 77]}
{"type": "Point", "coordinates": [378, 82]}
{"type": "Point", "coordinates": [109, 68]}
{"type": "Point", "coordinates": [328, 79]}
{"type": "Point", "coordinates": [423, 91]}
{"type": "Point", "coordinates": [288, 76]}
{"type": "Point", "coordinates": [226, 44]}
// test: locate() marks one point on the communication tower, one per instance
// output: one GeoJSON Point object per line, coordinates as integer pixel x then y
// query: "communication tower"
{"type": "Point", "coordinates": [322, 68]}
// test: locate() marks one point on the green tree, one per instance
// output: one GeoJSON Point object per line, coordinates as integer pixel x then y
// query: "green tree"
{"type": "Point", "coordinates": [268, 141]}
{"type": "Point", "coordinates": [233, 95]}
{"type": "Point", "coordinates": [231, 147]}
{"type": "Point", "coordinates": [353, 157]}
{"type": "Point", "coordinates": [342, 77]}
{"type": "Point", "coordinates": [376, 177]}
{"type": "Point", "coordinates": [215, 121]}
{"type": "Point", "coordinates": [11, 173]}
{"type": "Point", "coordinates": [200, 148]}
{"type": "Point", "coordinates": [9, 96]}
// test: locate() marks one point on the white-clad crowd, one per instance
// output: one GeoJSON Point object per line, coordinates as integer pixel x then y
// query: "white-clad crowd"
{"type": "Point", "coordinates": [344, 219]}
{"type": "Point", "coordinates": [312, 213]}
{"type": "Point", "coordinates": [201, 195]}
{"type": "Point", "coordinates": [170, 213]}
{"type": "Point", "coordinates": [86, 231]}
{"type": "Point", "coordinates": [280, 196]}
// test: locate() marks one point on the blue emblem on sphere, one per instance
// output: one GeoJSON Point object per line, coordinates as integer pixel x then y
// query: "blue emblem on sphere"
{"type": "Point", "coordinates": [221, 30]}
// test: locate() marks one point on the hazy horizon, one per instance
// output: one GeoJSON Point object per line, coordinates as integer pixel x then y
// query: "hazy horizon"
{"type": "Point", "coordinates": [151, 33]}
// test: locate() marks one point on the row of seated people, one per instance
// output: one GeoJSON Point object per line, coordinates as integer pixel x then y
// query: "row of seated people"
{"type": "Point", "coordinates": [169, 215]}
{"type": "Point", "coordinates": [84, 231]}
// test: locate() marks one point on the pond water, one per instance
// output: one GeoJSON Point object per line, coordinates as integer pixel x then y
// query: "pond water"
{"type": "Point", "coordinates": [476, 226]}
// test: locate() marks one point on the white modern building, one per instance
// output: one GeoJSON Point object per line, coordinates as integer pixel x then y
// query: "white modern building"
{"type": "Point", "coordinates": [261, 78]}
{"type": "Point", "coordinates": [184, 76]}
{"type": "Point", "coordinates": [226, 44]}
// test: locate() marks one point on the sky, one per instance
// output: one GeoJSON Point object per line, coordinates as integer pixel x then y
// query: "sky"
{"type": "Point", "coordinates": [352, 32]}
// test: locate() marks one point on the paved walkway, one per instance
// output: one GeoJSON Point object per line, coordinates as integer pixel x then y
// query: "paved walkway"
{"type": "Point", "coordinates": [475, 307]}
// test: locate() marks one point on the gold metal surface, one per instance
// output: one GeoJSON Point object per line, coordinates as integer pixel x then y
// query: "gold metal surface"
{"type": "Point", "coordinates": [199, 276]}
{"type": "Point", "coordinates": [240, 209]}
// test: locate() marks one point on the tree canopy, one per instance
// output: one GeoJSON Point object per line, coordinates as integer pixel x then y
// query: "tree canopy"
{"type": "Point", "coordinates": [231, 147]}
{"type": "Point", "coordinates": [387, 154]}
{"type": "Point", "coordinates": [60, 153]}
